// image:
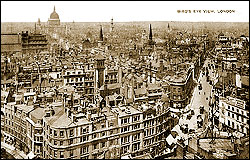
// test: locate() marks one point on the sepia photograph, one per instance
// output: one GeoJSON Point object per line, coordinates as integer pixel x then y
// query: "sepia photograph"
{"type": "Point", "coordinates": [124, 79]}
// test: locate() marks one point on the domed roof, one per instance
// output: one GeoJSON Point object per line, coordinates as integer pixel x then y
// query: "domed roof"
{"type": "Point", "coordinates": [54, 15]}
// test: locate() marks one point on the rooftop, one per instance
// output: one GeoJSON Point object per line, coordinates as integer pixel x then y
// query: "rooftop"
{"type": "Point", "coordinates": [112, 86]}
{"type": "Point", "coordinates": [140, 91]}
{"type": "Point", "coordinates": [127, 110]}
{"type": "Point", "coordinates": [37, 113]}
{"type": "Point", "coordinates": [25, 108]}
{"type": "Point", "coordinates": [220, 144]}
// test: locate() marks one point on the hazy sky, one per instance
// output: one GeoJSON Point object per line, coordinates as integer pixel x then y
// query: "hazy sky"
{"type": "Point", "coordinates": [103, 11]}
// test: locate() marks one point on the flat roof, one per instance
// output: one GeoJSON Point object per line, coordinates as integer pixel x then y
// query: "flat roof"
{"type": "Point", "coordinates": [220, 144]}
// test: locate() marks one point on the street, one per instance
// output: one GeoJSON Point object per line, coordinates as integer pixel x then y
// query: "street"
{"type": "Point", "coordinates": [200, 98]}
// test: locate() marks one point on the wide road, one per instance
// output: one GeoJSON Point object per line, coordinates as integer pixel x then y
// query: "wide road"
{"type": "Point", "coordinates": [199, 97]}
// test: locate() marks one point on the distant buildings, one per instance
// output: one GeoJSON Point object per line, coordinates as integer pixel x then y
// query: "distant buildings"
{"type": "Point", "coordinates": [53, 27]}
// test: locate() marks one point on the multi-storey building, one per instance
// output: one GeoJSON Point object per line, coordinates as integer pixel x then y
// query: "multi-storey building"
{"type": "Point", "coordinates": [33, 43]}
{"type": "Point", "coordinates": [74, 77]}
{"type": "Point", "coordinates": [10, 43]}
{"type": "Point", "coordinates": [154, 93]}
{"type": "Point", "coordinates": [180, 86]}
{"type": "Point", "coordinates": [233, 114]}
{"type": "Point", "coordinates": [15, 126]}
{"type": "Point", "coordinates": [113, 75]}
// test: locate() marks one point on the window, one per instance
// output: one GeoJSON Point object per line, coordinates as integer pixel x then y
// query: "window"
{"type": "Point", "coordinates": [61, 143]}
{"type": "Point", "coordinates": [111, 124]}
{"type": "Point", "coordinates": [111, 142]}
{"type": "Point", "coordinates": [55, 133]}
{"type": "Point", "coordinates": [103, 144]}
{"type": "Point", "coordinates": [228, 122]}
{"type": "Point", "coordinates": [94, 135]}
{"type": "Point", "coordinates": [61, 133]}
{"type": "Point", "coordinates": [111, 132]}
{"type": "Point", "coordinates": [71, 154]}
{"type": "Point", "coordinates": [228, 107]}
{"type": "Point", "coordinates": [71, 141]}
{"type": "Point", "coordinates": [136, 136]}
{"type": "Point", "coordinates": [95, 146]}
{"type": "Point", "coordinates": [61, 154]}
{"type": "Point", "coordinates": [136, 146]}
{"type": "Point", "coordinates": [233, 108]}
{"type": "Point", "coordinates": [228, 113]}
{"type": "Point", "coordinates": [85, 130]}
{"type": "Point", "coordinates": [232, 115]}
{"type": "Point", "coordinates": [55, 154]}
{"type": "Point", "coordinates": [103, 133]}
{"type": "Point", "coordinates": [71, 133]}
{"type": "Point", "coordinates": [84, 138]}
{"type": "Point", "coordinates": [55, 142]}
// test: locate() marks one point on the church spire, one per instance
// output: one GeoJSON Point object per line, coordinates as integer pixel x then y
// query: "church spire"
{"type": "Point", "coordinates": [54, 8]}
{"type": "Point", "coordinates": [39, 21]}
{"type": "Point", "coordinates": [150, 32]}
{"type": "Point", "coordinates": [101, 35]}
{"type": "Point", "coordinates": [111, 25]}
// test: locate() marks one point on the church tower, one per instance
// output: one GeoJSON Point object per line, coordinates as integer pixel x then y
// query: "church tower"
{"type": "Point", "coordinates": [150, 36]}
{"type": "Point", "coordinates": [169, 29]}
{"type": "Point", "coordinates": [150, 33]}
{"type": "Point", "coordinates": [111, 25]}
{"type": "Point", "coordinates": [100, 42]}
{"type": "Point", "coordinates": [38, 22]}
{"type": "Point", "coordinates": [99, 70]}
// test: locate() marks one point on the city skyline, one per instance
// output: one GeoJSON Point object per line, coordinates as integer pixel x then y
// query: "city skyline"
{"type": "Point", "coordinates": [123, 11]}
